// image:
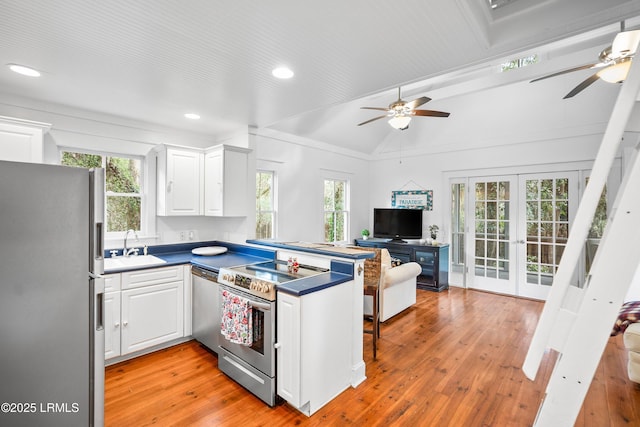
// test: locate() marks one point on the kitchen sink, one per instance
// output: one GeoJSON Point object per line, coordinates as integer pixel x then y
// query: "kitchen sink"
{"type": "Point", "coordinates": [131, 262]}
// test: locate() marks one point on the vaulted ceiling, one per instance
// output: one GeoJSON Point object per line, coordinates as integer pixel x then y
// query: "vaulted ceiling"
{"type": "Point", "coordinates": [154, 60]}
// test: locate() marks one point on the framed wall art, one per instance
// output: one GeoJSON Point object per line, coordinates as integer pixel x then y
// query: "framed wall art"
{"type": "Point", "coordinates": [413, 199]}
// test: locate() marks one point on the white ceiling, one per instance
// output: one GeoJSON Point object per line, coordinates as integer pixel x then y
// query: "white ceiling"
{"type": "Point", "coordinates": [154, 60]}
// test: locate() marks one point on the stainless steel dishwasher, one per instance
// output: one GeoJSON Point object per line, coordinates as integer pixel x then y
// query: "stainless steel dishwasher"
{"type": "Point", "coordinates": [206, 307]}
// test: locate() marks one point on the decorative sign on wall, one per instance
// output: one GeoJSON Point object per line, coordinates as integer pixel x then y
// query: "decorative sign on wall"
{"type": "Point", "coordinates": [414, 199]}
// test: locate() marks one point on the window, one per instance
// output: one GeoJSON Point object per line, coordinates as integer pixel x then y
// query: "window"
{"type": "Point", "coordinates": [265, 205]}
{"type": "Point", "coordinates": [519, 63]}
{"type": "Point", "coordinates": [336, 210]}
{"type": "Point", "coordinates": [123, 187]}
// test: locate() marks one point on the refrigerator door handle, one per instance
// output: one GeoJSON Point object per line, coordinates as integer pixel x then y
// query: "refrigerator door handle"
{"type": "Point", "coordinates": [96, 244]}
{"type": "Point", "coordinates": [98, 311]}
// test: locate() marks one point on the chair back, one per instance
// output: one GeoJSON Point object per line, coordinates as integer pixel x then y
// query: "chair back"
{"type": "Point", "coordinates": [372, 268]}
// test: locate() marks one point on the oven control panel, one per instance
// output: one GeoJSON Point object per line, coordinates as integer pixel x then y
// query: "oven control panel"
{"type": "Point", "coordinates": [255, 286]}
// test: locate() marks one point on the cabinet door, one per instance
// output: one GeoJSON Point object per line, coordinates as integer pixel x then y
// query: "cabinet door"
{"type": "Point", "coordinates": [214, 183]}
{"type": "Point", "coordinates": [225, 184]}
{"type": "Point", "coordinates": [111, 324]}
{"type": "Point", "coordinates": [289, 349]}
{"type": "Point", "coordinates": [428, 262]}
{"type": "Point", "coordinates": [183, 182]}
{"type": "Point", "coordinates": [21, 143]}
{"type": "Point", "coordinates": [151, 315]}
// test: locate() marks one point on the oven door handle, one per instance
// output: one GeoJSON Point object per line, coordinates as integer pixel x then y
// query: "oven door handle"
{"type": "Point", "coordinates": [260, 305]}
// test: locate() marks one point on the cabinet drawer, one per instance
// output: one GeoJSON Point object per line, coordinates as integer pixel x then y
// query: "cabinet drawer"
{"type": "Point", "coordinates": [111, 282]}
{"type": "Point", "coordinates": [136, 279]}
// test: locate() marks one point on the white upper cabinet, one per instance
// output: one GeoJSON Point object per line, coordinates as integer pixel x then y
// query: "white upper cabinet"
{"type": "Point", "coordinates": [22, 140]}
{"type": "Point", "coordinates": [179, 173]}
{"type": "Point", "coordinates": [210, 182]}
{"type": "Point", "coordinates": [225, 181]}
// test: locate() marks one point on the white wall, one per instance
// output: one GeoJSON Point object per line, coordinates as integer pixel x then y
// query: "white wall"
{"type": "Point", "coordinates": [301, 169]}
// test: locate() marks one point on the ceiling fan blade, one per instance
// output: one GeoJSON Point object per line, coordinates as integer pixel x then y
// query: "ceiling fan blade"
{"type": "Point", "coordinates": [625, 43]}
{"type": "Point", "coordinates": [582, 86]}
{"type": "Point", "coordinates": [570, 70]}
{"type": "Point", "coordinates": [417, 102]}
{"type": "Point", "coordinates": [374, 108]}
{"type": "Point", "coordinates": [372, 120]}
{"type": "Point", "coordinates": [430, 113]}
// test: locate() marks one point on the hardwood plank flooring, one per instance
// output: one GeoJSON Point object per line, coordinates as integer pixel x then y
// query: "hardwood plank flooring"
{"type": "Point", "coordinates": [453, 359]}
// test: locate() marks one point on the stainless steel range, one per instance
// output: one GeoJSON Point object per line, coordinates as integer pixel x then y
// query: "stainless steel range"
{"type": "Point", "coordinates": [251, 360]}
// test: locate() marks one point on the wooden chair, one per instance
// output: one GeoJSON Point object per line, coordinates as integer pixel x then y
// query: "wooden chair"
{"type": "Point", "coordinates": [372, 288]}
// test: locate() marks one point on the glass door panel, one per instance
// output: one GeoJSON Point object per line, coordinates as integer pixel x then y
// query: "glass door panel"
{"type": "Point", "coordinates": [548, 206]}
{"type": "Point", "coordinates": [493, 260]}
{"type": "Point", "coordinates": [457, 271]}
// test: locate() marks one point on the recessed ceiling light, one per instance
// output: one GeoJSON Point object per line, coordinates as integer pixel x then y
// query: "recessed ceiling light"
{"type": "Point", "coordinates": [192, 116]}
{"type": "Point", "coordinates": [282, 73]}
{"type": "Point", "coordinates": [25, 71]}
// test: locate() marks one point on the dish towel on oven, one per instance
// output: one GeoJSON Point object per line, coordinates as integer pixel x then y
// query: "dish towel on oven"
{"type": "Point", "coordinates": [236, 324]}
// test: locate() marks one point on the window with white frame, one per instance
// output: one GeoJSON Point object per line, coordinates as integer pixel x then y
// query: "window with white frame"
{"type": "Point", "coordinates": [123, 186]}
{"type": "Point", "coordinates": [265, 205]}
{"type": "Point", "coordinates": [336, 210]}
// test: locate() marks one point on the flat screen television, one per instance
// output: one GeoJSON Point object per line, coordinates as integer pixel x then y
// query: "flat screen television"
{"type": "Point", "coordinates": [397, 224]}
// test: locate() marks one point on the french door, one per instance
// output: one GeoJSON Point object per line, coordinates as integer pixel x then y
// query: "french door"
{"type": "Point", "coordinates": [493, 264]}
{"type": "Point", "coordinates": [519, 231]}
{"type": "Point", "coordinates": [548, 205]}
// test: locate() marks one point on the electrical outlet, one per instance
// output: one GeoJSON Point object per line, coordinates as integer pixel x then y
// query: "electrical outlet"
{"type": "Point", "coordinates": [192, 235]}
{"type": "Point", "coordinates": [183, 235]}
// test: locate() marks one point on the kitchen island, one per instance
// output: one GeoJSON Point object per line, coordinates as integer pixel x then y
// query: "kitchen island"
{"type": "Point", "coordinates": [320, 333]}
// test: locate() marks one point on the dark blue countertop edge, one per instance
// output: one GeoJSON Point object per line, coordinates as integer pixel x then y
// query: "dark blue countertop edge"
{"type": "Point", "coordinates": [341, 271]}
{"type": "Point", "coordinates": [181, 254]}
{"type": "Point", "coordinates": [328, 252]}
{"type": "Point", "coordinates": [187, 247]}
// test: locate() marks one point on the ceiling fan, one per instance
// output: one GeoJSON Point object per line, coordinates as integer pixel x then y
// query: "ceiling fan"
{"type": "Point", "coordinates": [400, 112]}
{"type": "Point", "coordinates": [613, 62]}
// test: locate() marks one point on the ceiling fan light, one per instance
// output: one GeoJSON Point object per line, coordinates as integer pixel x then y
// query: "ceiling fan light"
{"type": "Point", "coordinates": [615, 73]}
{"type": "Point", "coordinates": [399, 122]}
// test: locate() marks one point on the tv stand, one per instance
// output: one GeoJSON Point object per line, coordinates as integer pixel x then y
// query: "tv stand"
{"type": "Point", "coordinates": [434, 260]}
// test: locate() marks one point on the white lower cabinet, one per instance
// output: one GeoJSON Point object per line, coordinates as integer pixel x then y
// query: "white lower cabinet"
{"type": "Point", "coordinates": [147, 311]}
{"type": "Point", "coordinates": [151, 315]}
{"type": "Point", "coordinates": [112, 324]}
{"type": "Point", "coordinates": [314, 346]}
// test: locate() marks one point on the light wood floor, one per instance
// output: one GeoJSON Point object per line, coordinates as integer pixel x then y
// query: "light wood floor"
{"type": "Point", "coordinates": [454, 359]}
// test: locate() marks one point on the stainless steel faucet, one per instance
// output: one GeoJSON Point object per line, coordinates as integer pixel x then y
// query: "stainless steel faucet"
{"type": "Point", "coordinates": [126, 251]}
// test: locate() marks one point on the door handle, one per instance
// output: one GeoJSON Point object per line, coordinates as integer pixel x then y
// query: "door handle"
{"type": "Point", "coordinates": [260, 305]}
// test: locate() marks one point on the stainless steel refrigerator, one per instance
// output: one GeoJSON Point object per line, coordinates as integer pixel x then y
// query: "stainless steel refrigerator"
{"type": "Point", "coordinates": [51, 295]}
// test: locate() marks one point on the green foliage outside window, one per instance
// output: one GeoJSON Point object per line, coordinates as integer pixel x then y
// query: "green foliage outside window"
{"type": "Point", "coordinates": [335, 213]}
{"type": "Point", "coordinates": [265, 212]}
{"type": "Point", "coordinates": [122, 176]}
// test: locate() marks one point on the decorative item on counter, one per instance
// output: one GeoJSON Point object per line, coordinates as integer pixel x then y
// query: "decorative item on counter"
{"type": "Point", "coordinates": [365, 234]}
{"type": "Point", "coordinates": [433, 230]}
{"type": "Point", "coordinates": [292, 265]}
